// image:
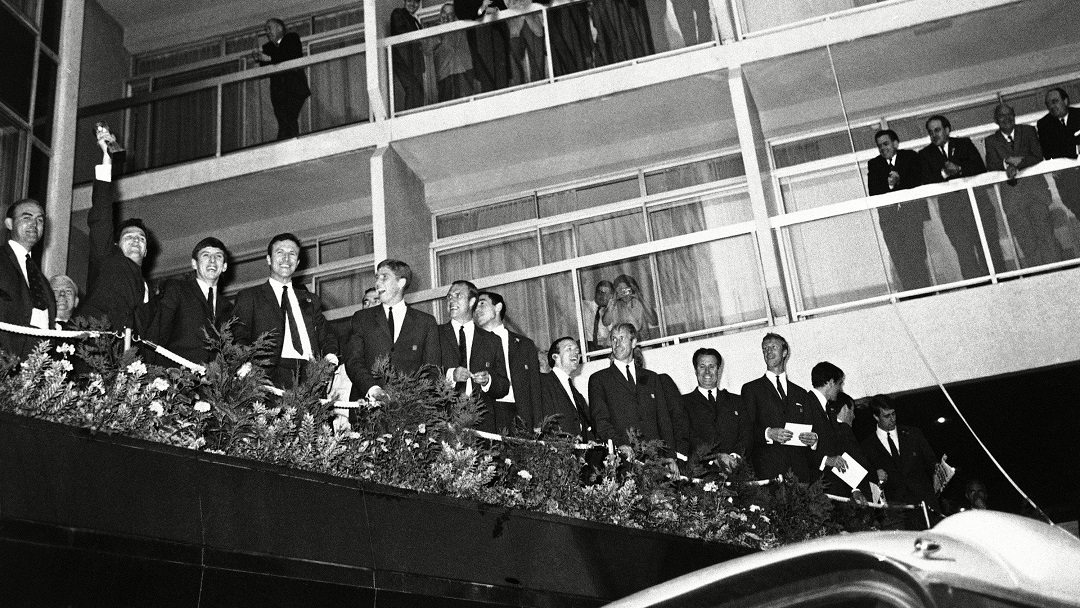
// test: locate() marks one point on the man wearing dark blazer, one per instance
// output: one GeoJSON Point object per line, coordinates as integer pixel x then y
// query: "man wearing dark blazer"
{"type": "Point", "coordinates": [718, 422]}
{"type": "Point", "coordinates": [624, 396]}
{"type": "Point", "coordinates": [827, 382]}
{"type": "Point", "coordinates": [288, 89]}
{"type": "Point", "coordinates": [901, 224]}
{"type": "Point", "coordinates": [1058, 137]}
{"type": "Point", "coordinates": [192, 308]}
{"type": "Point", "coordinates": [948, 158]}
{"type": "Point", "coordinates": [25, 295]}
{"type": "Point", "coordinates": [519, 352]}
{"type": "Point", "coordinates": [293, 317]}
{"type": "Point", "coordinates": [488, 43]}
{"type": "Point", "coordinates": [1013, 148]}
{"type": "Point", "coordinates": [472, 357]}
{"type": "Point", "coordinates": [902, 460]}
{"type": "Point", "coordinates": [117, 293]}
{"type": "Point", "coordinates": [390, 329]}
{"type": "Point", "coordinates": [773, 401]}
{"type": "Point", "coordinates": [408, 57]}
{"type": "Point", "coordinates": [559, 393]}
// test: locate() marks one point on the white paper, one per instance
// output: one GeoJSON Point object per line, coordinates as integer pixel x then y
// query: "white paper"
{"type": "Point", "coordinates": [942, 474]}
{"type": "Point", "coordinates": [796, 429]}
{"type": "Point", "coordinates": [854, 474]}
{"type": "Point", "coordinates": [876, 497]}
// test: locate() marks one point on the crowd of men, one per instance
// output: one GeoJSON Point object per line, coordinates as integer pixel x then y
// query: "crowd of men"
{"type": "Point", "coordinates": [1026, 202]}
{"type": "Point", "coordinates": [777, 426]}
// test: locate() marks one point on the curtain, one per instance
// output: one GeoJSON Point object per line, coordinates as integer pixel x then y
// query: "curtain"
{"type": "Point", "coordinates": [184, 127]}
{"type": "Point", "coordinates": [338, 92]}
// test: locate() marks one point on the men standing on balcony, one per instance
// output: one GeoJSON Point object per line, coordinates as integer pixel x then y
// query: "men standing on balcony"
{"type": "Point", "coordinates": [773, 402]}
{"type": "Point", "coordinates": [1059, 135]}
{"type": "Point", "coordinates": [624, 396]}
{"type": "Point", "coordinates": [25, 296]}
{"type": "Point", "coordinates": [291, 314]}
{"type": "Point", "coordinates": [489, 43]}
{"type": "Point", "coordinates": [408, 56]}
{"type": "Point", "coordinates": [118, 293]}
{"type": "Point", "coordinates": [192, 308]}
{"type": "Point", "coordinates": [289, 89]}
{"type": "Point", "coordinates": [717, 420]}
{"type": "Point", "coordinates": [901, 224]}
{"type": "Point", "coordinates": [519, 353]}
{"type": "Point", "coordinates": [560, 395]}
{"type": "Point", "coordinates": [1026, 202]}
{"type": "Point", "coordinates": [389, 329]}
{"type": "Point", "coordinates": [948, 158]}
{"type": "Point", "coordinates": [472, 357]}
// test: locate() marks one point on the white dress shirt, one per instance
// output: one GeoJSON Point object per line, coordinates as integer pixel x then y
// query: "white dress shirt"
{"type": "Point", "coordinates": [288, 350]}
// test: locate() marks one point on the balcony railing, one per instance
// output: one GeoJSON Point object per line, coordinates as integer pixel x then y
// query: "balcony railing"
{"type": "Point", "coordinates": [225, 114]}
{"type": "Point", "coordinates": [522, 47]}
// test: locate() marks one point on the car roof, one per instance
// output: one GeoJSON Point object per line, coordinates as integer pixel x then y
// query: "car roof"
{"type": "Point", "coordinates": [984, 551]}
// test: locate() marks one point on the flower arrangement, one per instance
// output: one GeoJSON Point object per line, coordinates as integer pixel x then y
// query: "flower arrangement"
{"type": "Point", "coordinates": [415, 437]}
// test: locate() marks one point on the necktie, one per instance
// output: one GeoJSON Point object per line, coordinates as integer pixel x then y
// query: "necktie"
{"type": "Point", "coordinates": [712, 400]}
{"type": "Point", "coordinates": [390, 321]}
{"type": "Point", "coordinates": [892, 446]}
{"type": "Point", "coordinates": [1009, 139]}
{"type": "Point", "coordinates": [630, 378]}
{"type": "Point", "coordinates": [943, 152]}
{"type": "Point", "coordinates": [286, 310]}
{"type": "Point", "coordinates": [582, 409]}
{"type": "Point", "coordinates": [579, 400]}
{"type": "Point", "coordinates": [780, 389]}
{"type": "Point", "coordinates": [596, 327]}
{"type": "Point", "coordinates": [34, 280]}
{"type": "Point", "coordinates": [210, 301]}
{"type": "Point", "coordinates": [463, 358]}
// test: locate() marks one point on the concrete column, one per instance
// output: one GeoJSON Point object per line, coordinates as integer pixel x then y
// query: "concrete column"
{"type": "Point", "coordinates": [61, 167]}
{"type": "Point", "coordinates": [756, 163]}
{"type": "Point", "coordinates": [400, 218]}
{"type": "Point", "coordinates": [373, 62]}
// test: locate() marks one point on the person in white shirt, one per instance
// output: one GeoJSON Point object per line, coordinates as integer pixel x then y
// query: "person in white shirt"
{"type": "Point", "coordinates": [522, 400]}
{"type": "Point", "coordinates": [27, 298]}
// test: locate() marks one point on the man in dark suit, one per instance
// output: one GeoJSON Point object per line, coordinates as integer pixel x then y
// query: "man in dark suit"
{"type": "Point", "coordinates": [472, 357]}
{"type": "Point", "coordinates": [25, 296]}
{"type": "Point", "coordinates": [827, 382]}
{"type": "Point", "coordinates": [902, 460]}
{"type": "Point", "coordinates": [772, 401]}
{"type": "Point", "coordinates": [901, 224]}
{"type": "Point", "coordinates": [948, 158]}
{"type": "Point", "coordinates": [389, 329]}
{"type": "Point", "coordinates": [292, 315]}
{"type": "Point", "coordinates": [489, 43]}
{"type": "Point", "coordinates": [192, 308]}
{"type": "Point", "coordinates": [624, 396]}
{"type": "Point", "coordinates": [842, 410]}
{"type": "Point", "coordinates": [409, 56]}
{"type": "Point", "coordinates": [717, 420]}
{"type": "Point", "coordinates": [1058, 137]}
{"type": "Point", "coordinates": [118, 293]}
{"type": "Point", "coordinates": [560, 396]}
{"type": "Point", "coordinates": [288, 89]}
{"type": "Point", "coordinates": [519, 352]}
{"type": "Point", "coordinates": [1026, 202]}
{"type": "Point", "coordinates": [66, 294]}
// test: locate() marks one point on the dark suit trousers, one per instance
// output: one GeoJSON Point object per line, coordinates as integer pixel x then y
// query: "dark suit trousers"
{"type": "Point", "coordinates": [902, 229]}
{"type": "Point", "coordinates": [1027, 207]}
{"type": "Point", "coordinates": [1068, 187]}
{"type": "Point", "coordinates": [960, 227]}
{"type": "Point", "coordinates": [490, 46]}
{"type": "Point", "coordinates": [287, 112]}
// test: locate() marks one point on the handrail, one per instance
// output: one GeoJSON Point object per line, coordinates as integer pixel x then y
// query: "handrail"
{"type": "Point", "coordinates": [443, 28]}
{"type": "Point", "coordinates": [209, 83]}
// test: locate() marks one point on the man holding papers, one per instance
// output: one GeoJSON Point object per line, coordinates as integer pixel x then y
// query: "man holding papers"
{"type": "Point", "coordinates": [841, 473]}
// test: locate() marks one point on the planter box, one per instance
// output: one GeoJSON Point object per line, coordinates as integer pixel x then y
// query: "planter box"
{"type": "Point", "coordinates": [96, 520]}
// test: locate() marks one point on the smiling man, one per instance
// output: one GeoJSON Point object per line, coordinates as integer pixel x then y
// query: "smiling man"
{"type": "Point", "coordinates": [389, 329]}
{"type": "Point", "coordinates": [292, 313]}
{"type": "Point", "coordinates": [25, 295]}
{"type": "Point", "coordinates": [192, 307]}
{"type": "Point", "coordinates": [718, 421]}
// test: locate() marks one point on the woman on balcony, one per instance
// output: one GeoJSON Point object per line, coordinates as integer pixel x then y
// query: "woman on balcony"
{"type": "Point", "coordinates": [629, 307]}
{"type": "Point", "coordinates": [453, 63]}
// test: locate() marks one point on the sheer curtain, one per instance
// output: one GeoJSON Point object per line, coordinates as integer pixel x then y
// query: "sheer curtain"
{"type": "Point", "coordinates": [338, 92]}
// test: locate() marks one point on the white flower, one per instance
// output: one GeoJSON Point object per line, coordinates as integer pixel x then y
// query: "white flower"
{"type": "Point", "coordinates": [66, 365]}
{"type": "Point", "coordinates": [710, 487]}
{"type": "Point", "coordinates": [202, 406]}
{"type": "Point", "coordinates": [137, 368]}
{"type": "Point", "coordinates": [420, 430]}
{"type": "Point", "coordinates": [157, 407]}
{"type": "Point", "coordinates": [244, 370]}
{"type": "Point", "coordinates": [160, 384]}
{"type": "Point", "coordinates": [754, 508]}
{"type": "Point", "coordinates": [524, 474]}
{"type": "Point", "coordinates": [66, 349]}
{"type": "Point", "coordinates": [509, 462]}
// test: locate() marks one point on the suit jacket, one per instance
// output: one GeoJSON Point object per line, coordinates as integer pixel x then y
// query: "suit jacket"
{"type": "Point", "coordinates": [615, 407]}
{"type": "Point", "coordinates": [763, 403]}
{"type": "Point", "coordinates": [183, 320]}
{"type": "Point", "coordinates": [117, 287]}
{"type": "Point", "coordinates": [469, 10]}
{"type": "Point", "coordinates": [909, 167]}
{"type": "Point", "coordinates": [486, 354]}
{"type": "Point", "coordinates": [574, 419]}
{"type": "Point", "coordinates": [525, 378]}
{"type": "Point", "coordinates": [16, 303]}
{"type": "Point", "coordinates": [417, 345]}
{"type": "Point", "coordinates": [258, 310]}
{"type": "Point", "coordinates": [408, 57]}
{"type": "Point", "coordinates": [723, 428]}
{"type": "Point", "coordinates": [912, 479]}
{"type": "Point", "coordinates": [830, 443]}
{"type": "Point", "coordinates": [680, 425]}
{"type": "Point", "coordinates": [961, 152]}
{"type": "Point", "coordinates": [1057, 140]}
{"type": "Point", "coordinates": [1025, 144]}
{"type": "Point", "coordinates": [290, 84]}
